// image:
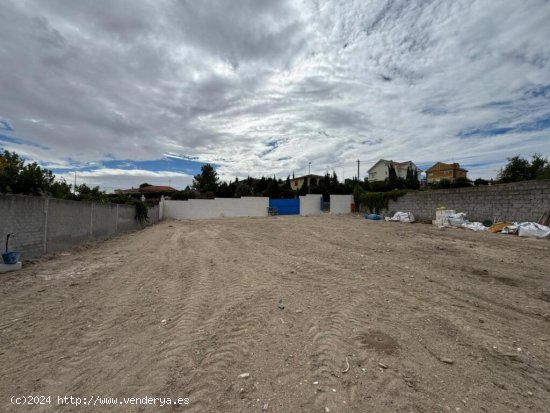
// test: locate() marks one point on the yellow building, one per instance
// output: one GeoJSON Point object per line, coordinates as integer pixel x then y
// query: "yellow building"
{"type": "Point", "coordinates": [448, 171]}
{"type": "Point", "coordinates": [297, 183]}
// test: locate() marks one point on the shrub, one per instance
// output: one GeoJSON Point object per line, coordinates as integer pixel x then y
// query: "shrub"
{"type": "Point", "coordinates": [378, 201]}
{"type": "Point", "coordinates": [141, 212]}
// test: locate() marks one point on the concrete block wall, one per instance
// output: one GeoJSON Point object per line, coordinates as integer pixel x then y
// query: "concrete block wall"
{"type": "Point", "coordinates": [310, 204]}
{"type": "Point", "coordinates": [43, 225]}
{"type": "Point", "coordinates": [341, 204]}
{"type": "Point", "coordinates": [69, 223]}
{"type": "Point", "coordinates": [104, 220]}
{"type": "Point", "coordinates": [126, 220]}
{"type": "Point", "coordinates": [518, 201]}
{"type": "Point", "coordinates": [216, 208]}
{"type": "Point", "coordinates": [154, 214]}
{"type": "Point", "coordinates": [23, 216]}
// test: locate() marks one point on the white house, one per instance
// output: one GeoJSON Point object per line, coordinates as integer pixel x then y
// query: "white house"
{"type": "Point", "coordinates": [380, 170]}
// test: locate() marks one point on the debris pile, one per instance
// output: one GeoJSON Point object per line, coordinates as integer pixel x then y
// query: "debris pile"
{"type": "Point", "coordinates": [449, 218]}
{"type": "Point", "coordinates": [399, 216]}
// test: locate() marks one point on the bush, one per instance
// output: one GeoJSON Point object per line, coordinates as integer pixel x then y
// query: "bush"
{"type": "Point", "coordinates": [142, 214]}
{"type": "Point", "coordinates": [378, 201]}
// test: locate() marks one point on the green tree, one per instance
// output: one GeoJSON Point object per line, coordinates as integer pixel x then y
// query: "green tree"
{"type": "Point", "coordinates": [18, 178]}
{"type": "Point", "coordinates": [207, 180]}
{"type": "Point", "coordinates": [411, 181]}
{"type": "Point", "coordinates": [517, 169]}
{"type": "Point", "coordinates": [85, 193]}
{"type": "Point", "coordinates": [10, 168]}
{"type": "Point", "coordinates": [481, 181]}
{"type": "Point", "coordinates": [392, 177]}
{"type": "Point", "coordinates": [540, 167]}
{"type": "Point", "coordinates": [61, 189]}
{"type": "Point", "coordinates": [273, 189]}
{"type": "Point", "coordinates": [304, 190]}
{"type": "Point", "coordinates": [143, 185]}
{"type": "Point", "coordinates": [461, 182]}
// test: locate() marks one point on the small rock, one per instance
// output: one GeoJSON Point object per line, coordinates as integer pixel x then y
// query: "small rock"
{"type": "Point", "coordinates": [315, 382]}
{"type": "Point", "coordinates": [382, 365]}
{"type": "Point", "coordinates": [327, 410]}
{"type": "Point", "coordinates": [265, 407]}
{"type": "Point", "coordinates": [164, 322]}
{"type": "Point", "coordinates": [244, 375]}
{"type": "Point", "coordinates": [529, 393]}
{"type": "Point", "coordinates": [298, 311]}
{"type": "Point", "coordinates": [334, 390]}
{"type": "Point", "coordinates": [281, 305]}
{"type": "Point", "coordinates": [481, 320]}
{"type": "Point", "coordinates": [447, 361]}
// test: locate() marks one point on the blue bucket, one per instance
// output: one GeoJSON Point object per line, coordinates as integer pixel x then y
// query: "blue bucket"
{"type": "Point", "coordinates": [11, 257]}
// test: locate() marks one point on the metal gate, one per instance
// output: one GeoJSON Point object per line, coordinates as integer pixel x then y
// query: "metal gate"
{"type": "Point", "coordinates": [285, 206]}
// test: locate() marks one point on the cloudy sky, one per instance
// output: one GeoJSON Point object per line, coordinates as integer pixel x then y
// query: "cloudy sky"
{"type": "Point", "coordinates": [131, 91]}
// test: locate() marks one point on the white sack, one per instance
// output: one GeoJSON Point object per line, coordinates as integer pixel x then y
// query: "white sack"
{"type": "Point", "coordinates": [532, 229]}
{"type": "Point", "coordinates": [474, 226]}
{"type": "Point", "coordinates": [401, 217]}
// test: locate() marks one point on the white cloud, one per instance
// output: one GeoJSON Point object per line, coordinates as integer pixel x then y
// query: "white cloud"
{"type": "Point", "coordinates": [127, 178]}
{"type": "Point", "coordinates": [266, 87]}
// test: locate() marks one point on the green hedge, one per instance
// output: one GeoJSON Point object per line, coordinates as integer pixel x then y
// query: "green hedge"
{"type": "Point", "coordinates": [378, 201]}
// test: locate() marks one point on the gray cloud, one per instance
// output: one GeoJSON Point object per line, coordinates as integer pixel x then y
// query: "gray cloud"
{"type": "Point", "coordinates": [330, 81]}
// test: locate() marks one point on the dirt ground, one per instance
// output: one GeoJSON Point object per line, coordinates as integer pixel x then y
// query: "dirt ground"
{"type": "Point", "coordinates": [377, 317]}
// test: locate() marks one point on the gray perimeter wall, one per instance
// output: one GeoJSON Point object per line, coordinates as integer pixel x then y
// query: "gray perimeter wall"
{"type": "Point", "coordinates": [519, 201]}
{"type": "Point", "coordinates": [44, 225]}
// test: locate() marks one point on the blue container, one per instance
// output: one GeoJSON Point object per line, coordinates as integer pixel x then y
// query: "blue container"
{"type": "Point", "coordinates": [11, 257]}
{"type": "Point", "coordinates": [374, 217]}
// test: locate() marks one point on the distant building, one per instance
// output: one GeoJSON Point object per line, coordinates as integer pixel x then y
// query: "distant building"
{"type": "Point", "coordinates": [380, 170]}
{"type": "Point", "coordinates": [146, 189]}
{"type": "Point", "coordinates": [448, 171]}
{"type": "Point", "coordinates": [297, 183]}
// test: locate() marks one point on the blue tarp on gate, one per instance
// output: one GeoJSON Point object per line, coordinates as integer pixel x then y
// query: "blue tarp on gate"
{"type": "Point", "coordinates": [286, 206]}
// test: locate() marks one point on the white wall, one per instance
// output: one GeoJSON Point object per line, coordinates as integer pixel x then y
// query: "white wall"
{"type": "Point", "coordinates": [341, 204]}
{"type": "Point", "coordinates": [216, 208]}
{"type": "Point", "coordinates": [310, 204]}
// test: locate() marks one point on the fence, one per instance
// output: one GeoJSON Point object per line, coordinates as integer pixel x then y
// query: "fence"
{"type": "Point", "coordinates": [519, 201]}
{"type": "Point", "coordinates": [44, 225]}
{"type": "Point", "coordinates": [311, 204]}
{"type": "Point", "coordinates": [215, 208]}
{"type": "Point", "coordinates": [341, 204]}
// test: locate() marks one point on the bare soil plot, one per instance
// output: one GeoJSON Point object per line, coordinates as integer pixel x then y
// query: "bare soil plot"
{"type": "Point", "coordinates": [377, 317]}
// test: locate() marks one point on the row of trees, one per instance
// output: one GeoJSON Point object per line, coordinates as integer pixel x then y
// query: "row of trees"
{"type": "Point", "coordinates": [208, 185]}
{"type": "Point", "coordinates": [19, 177]}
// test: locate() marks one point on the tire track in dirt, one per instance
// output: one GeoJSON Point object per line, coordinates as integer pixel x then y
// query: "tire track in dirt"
{"type": "Point", "coordinates": [218, 343]}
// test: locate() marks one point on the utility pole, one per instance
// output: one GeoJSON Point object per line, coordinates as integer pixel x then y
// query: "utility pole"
{"type": "Point", "coordinates": [74, 189]}
{"type": "Point", "coordinates": [357, 170]}
{"type": "Point", "coordinates": [309, 179]}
